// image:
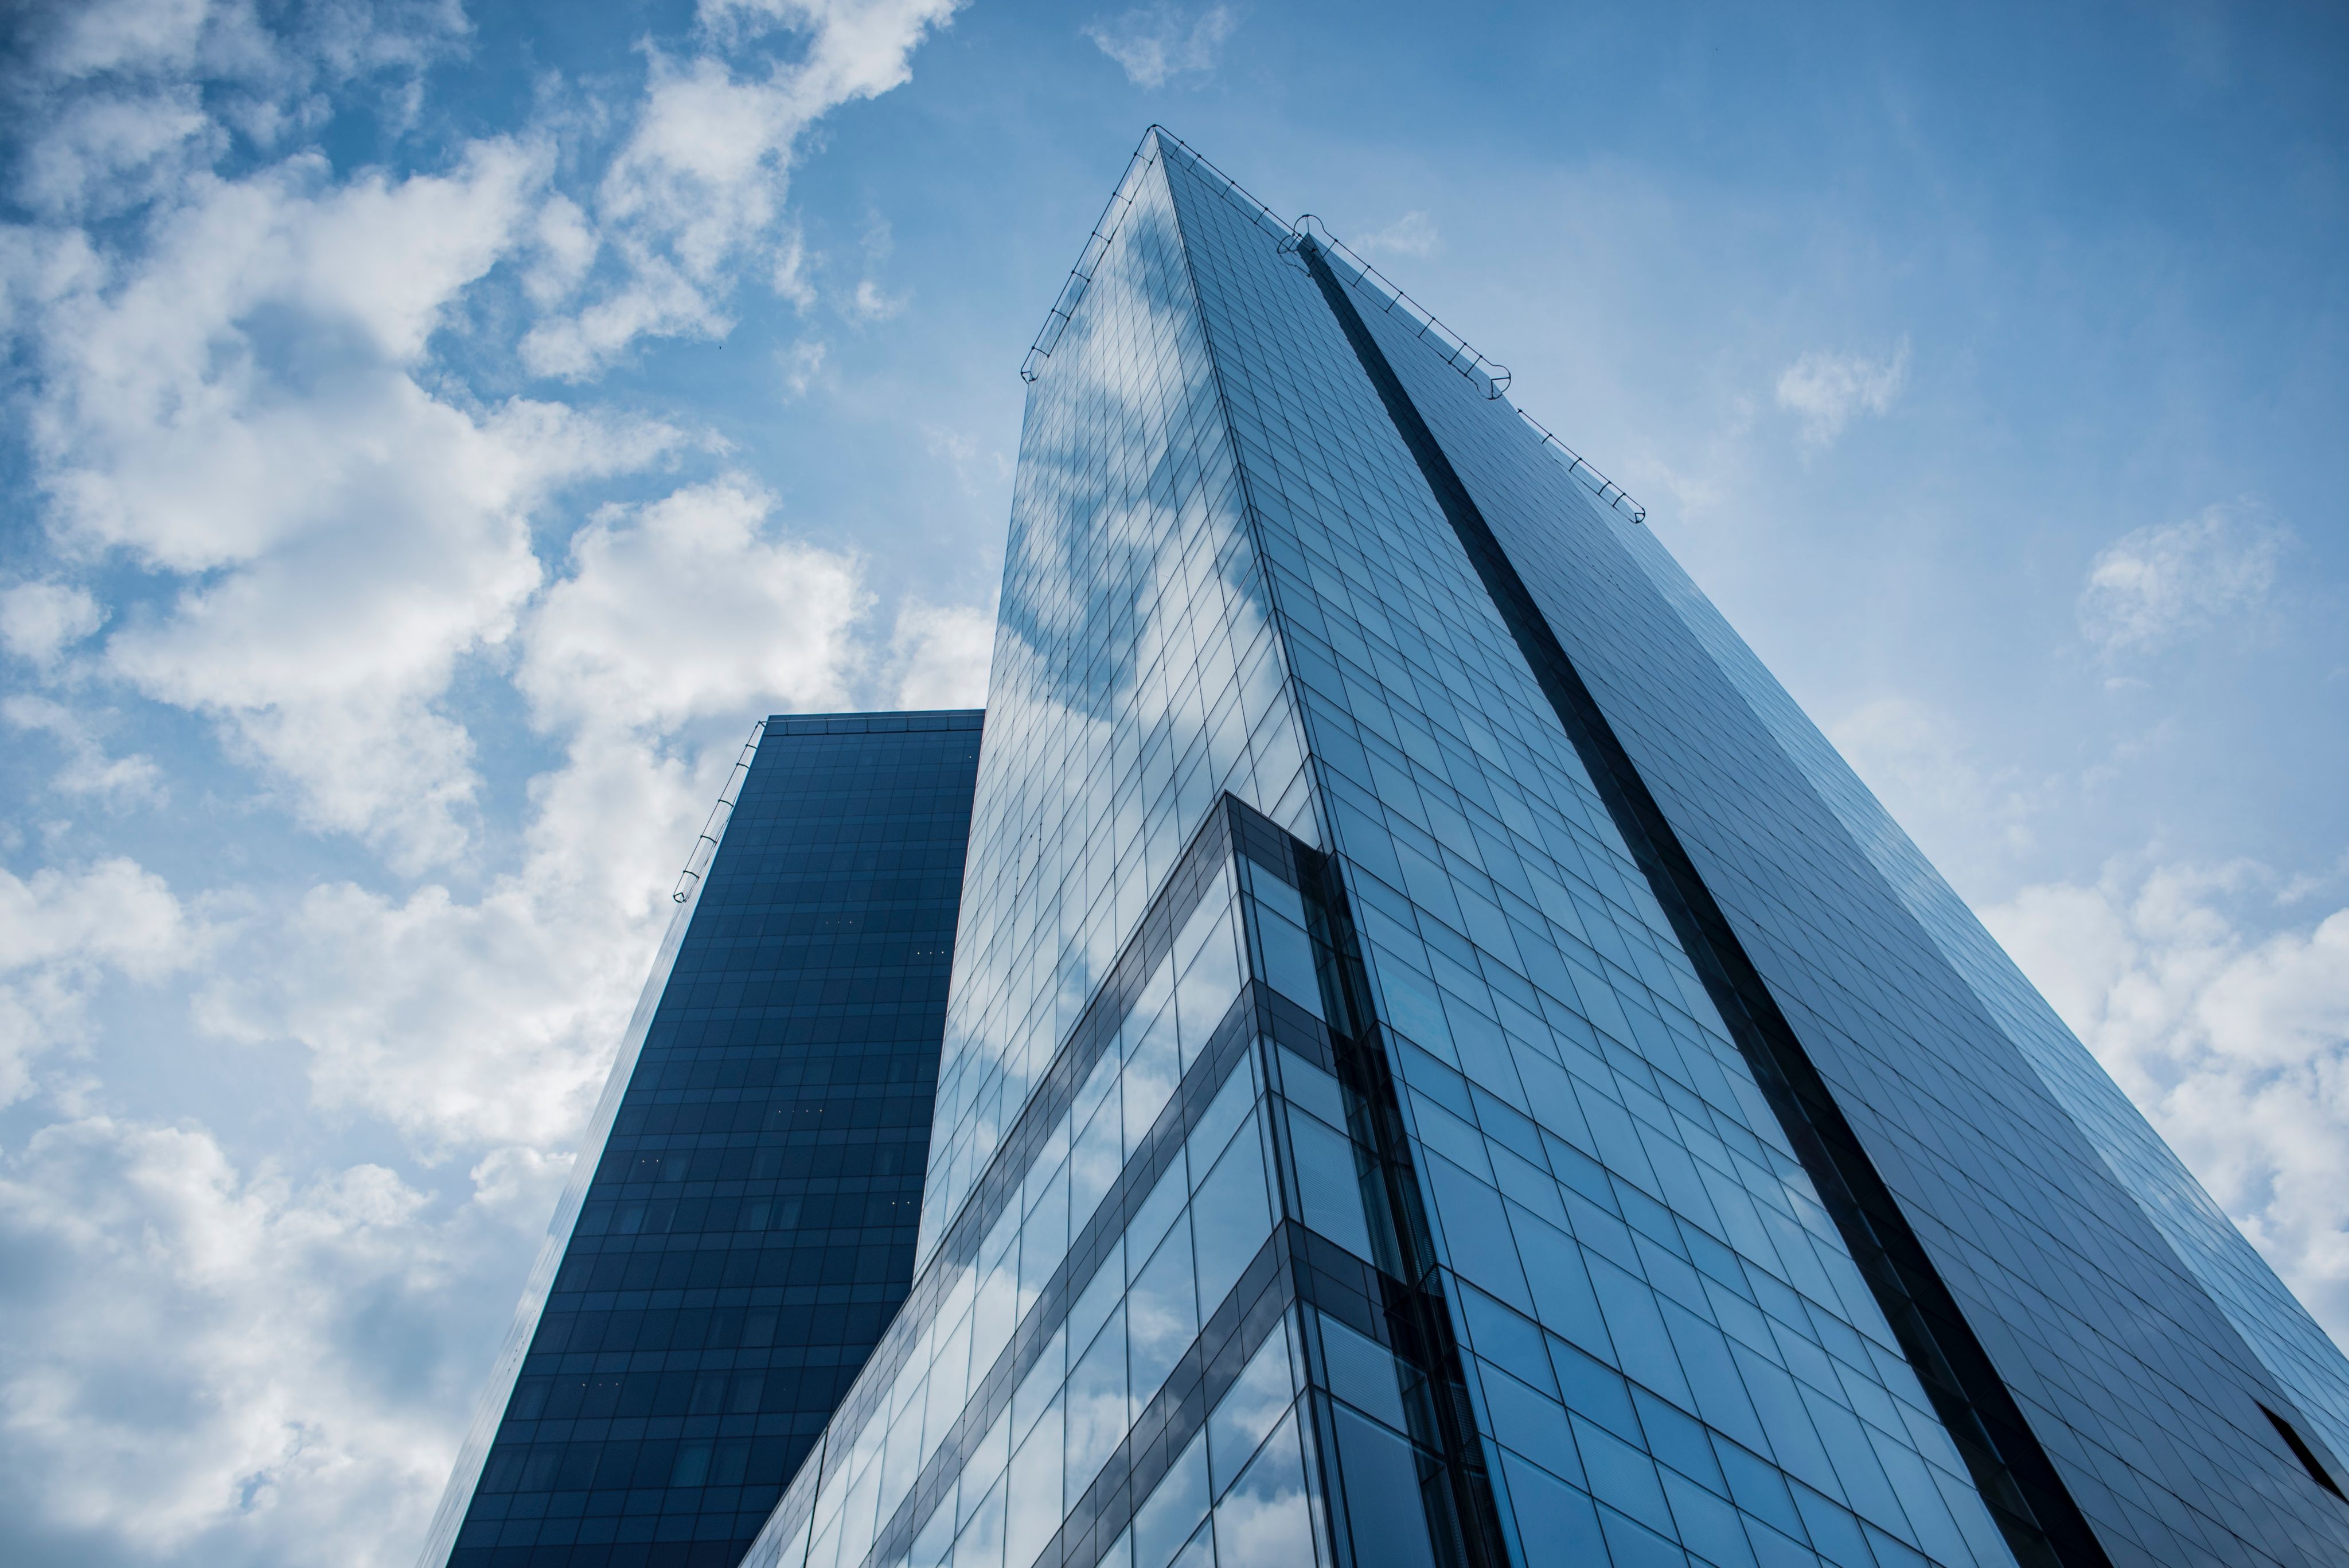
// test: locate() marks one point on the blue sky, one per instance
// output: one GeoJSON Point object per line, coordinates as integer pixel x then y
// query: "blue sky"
{"type": "Point", "coordinates": [433, 436]}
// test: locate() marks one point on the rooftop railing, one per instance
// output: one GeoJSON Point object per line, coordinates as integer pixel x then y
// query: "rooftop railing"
{"type": "Point", "coordinates": [1492, 377]}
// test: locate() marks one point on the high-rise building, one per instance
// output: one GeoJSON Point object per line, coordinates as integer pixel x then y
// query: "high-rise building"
{"type": "Point", "coordinates": [741, 1226]}
{"type": "Point", "coordinates": [1446, 1065]}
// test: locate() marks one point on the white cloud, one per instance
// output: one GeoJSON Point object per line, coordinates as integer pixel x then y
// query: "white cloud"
{"type": "Point", "coordinates": [867, 303]}
{"type": "Point", "coordinates": [491, 1020]}
{"type": "Point", "coordinates": [267, 71]}
{"type": "Point", "coordinates": [118, 782]}
{"type": "Point", "coordinates": [1827, 389]}
{"type": "Point", "coordinates": [114, 151]}
{"type": "Point", "coordinates": [242, 398]}
{"type": "Point", "coordinates": [242, 408]}
{"type": "Point", "coordinates": [788, 279]}
{"type": "Point", "coordinates": [520, 1185]}
{"type": "Point", "coordinates": [486, 1022]}
{"type": "Point", "coordinates": [186, 391]}
{"type": "Point", "coordinates": [121, 35]}
{"type": "Point", "coordinates": [212, 1363]}
{"type": "Point", "coordinates": [325, 656]}
{"type": "Point", "coordinates": [565, 246]}
{"type": "Point", "coordinates": [38, 621]}
{"type": "Point", "coordinates": [114, 914]}
{"type": "Point", "coordinates": [2229, 1025]}
{"type": "Point", "coordinates": [462, 1023]}
{"type": "Point", "coordinates": [62, 933]}
{"type": "Point", "coordinates": [1413, 234]}
{"type": "Point", "coordinates": [249, 400]}
{"type": "Point", "coordinates": [940, 655]}
{"type": "Point", "coordinates": [691, 606]}
{"type": "Point", "coordinates": [696, 194]}
{"type": "Point", "coordinates": [2151, 588]}
{"type": "Point", "coordinates": [1156, 44]}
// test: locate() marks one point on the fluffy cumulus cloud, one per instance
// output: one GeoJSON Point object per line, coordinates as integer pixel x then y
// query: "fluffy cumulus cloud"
{"type": "Point", "coordinates": [325, 658]}
{"type": "Point", "coordinates": [66, 932]}
{"type": "Point", "coordinates": [456, 1022]}
{"type": "Point", "coordinates": [38, 621]}
{"type": "Point", "coordinates": [1825, 390]}
{"type": "Point", "coordinates": [698, 187]}
{"type": "Point", "coordinates": [489, 1019]}
{"type": "Point", "coordinates": [358, 592]}
{"type": "Point", "coordinates": [210, 1364]}
{"type": "Point", "coordinates": [2220, 1002]}
{"type": "Point", "coordinates": [242, 407]}
{"type": "Point", "coordinates": [465, 1022]}
{"type": "Point", "coordinates": [941, 654]}
{"type": "Point", "coordinates": [685, 607]}
{"type": "Point", "coordinates": [114, 782]}
{"type": "Point", "coordinates": [1154, 44]}
{"type": "Point", "coordinates": [2159, 585]}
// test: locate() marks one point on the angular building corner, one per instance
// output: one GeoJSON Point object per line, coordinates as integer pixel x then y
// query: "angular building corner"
{"type": "Point", "coordinates": [1444, 1063]}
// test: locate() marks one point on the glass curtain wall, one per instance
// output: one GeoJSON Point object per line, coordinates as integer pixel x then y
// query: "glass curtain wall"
{"type": "Point", "coordinates": [1099, 1198]}
{"type": "Point", "coordinates": [1473, 1248]}
{"type": "Point", "coordinates": [1339, 1156]}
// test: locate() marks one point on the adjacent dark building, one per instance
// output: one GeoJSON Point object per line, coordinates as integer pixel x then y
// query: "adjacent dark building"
{"type": "Point", "coordinates": [748, 1229]}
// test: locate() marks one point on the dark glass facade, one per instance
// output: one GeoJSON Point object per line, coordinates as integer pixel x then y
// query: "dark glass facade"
{"type": "Point", "coordinates": [747, 1228]}
{"type": "Point", "coordinates": [2133, 1369]}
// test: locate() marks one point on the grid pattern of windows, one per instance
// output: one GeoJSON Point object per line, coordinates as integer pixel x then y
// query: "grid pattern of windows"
{"type": "Point", "coordinates": [1108, 1271]}
{"type": "Point", "coordinates": [748, 1228]}
{"type": "Point", "coordinates": [1620, 1222]}
{"type": "Point", "coordinates": [2110, 1310]}
{"type": "Point", "coordinates": [1136, 678]}
{"type": "Point", "coordinates": [2286, 1338]}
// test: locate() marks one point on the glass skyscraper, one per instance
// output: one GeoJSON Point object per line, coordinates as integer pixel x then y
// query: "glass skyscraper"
{"type": "Point", "coordinates": [1445, 1065]}
{"type": "Point", "coordinates": [741, 1226]}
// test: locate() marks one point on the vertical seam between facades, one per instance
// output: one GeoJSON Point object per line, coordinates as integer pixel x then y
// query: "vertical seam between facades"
{"type": "Point", "coordinates": [2034, 1508]}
